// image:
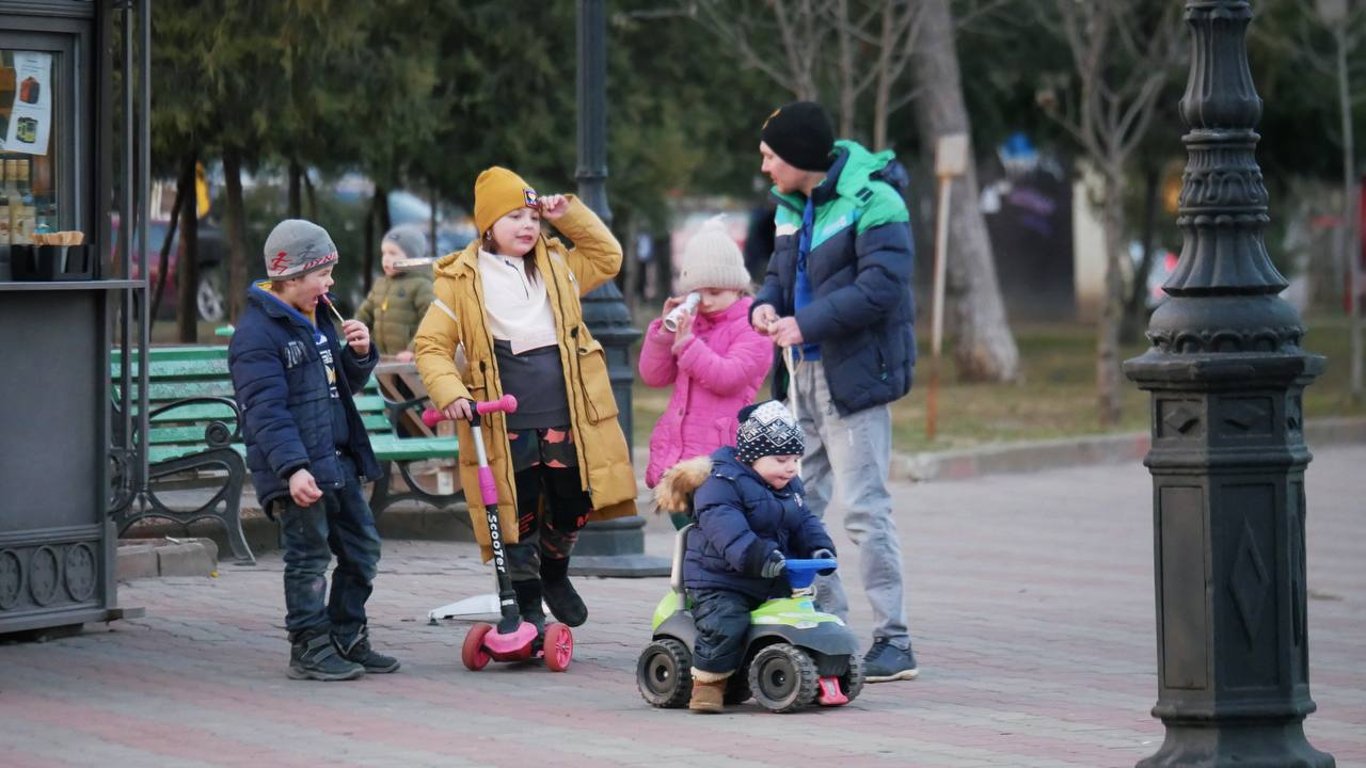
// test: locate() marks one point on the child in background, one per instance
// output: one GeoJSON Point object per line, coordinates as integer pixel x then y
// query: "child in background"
{"type": "Point", "coordinates": [510, 302]}
{"type": "Point", "coordinates": [750, 517]}
{"type": "Point", "coordinates": [399, 299]}
{"type": "Point", "coordinates": [715, 360]}
{"type": "Point", "coordinates": [308, 451]}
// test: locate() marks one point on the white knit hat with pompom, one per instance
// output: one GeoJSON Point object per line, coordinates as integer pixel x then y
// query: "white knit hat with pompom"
{"type": "Point", "coordinates": [712, 260]}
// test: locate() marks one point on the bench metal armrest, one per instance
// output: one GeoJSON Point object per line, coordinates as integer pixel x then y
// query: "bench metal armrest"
{"type": "Point", "coordinates": [217, 433]}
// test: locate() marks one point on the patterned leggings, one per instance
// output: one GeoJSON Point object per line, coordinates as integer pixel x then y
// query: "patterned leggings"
{"type": "Point", "coordinates": [551, 503]}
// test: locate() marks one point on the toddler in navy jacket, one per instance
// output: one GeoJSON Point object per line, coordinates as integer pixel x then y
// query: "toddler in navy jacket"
{"type": "Point", "coordinates": [750, 515]}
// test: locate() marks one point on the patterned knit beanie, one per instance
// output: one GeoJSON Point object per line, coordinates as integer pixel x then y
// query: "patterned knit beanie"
{"type": "Point", "coordinates": [712, 260]}
{"type": "Point", "coordinates": [767, 429]}
{"type": "Point", "coordinates": [498, 192]}
{"type": "Point", "coordinates": [296, 247]}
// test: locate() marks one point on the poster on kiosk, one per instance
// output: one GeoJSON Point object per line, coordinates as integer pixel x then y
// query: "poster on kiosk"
{"type": "Point", "coordinates": [30, 115]}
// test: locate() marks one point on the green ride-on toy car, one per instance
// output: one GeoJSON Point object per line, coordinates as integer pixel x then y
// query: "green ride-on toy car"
{"type": "Point", "coordinates": [795, 655]}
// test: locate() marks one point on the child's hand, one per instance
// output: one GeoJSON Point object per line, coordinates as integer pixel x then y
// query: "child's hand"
{"type": "Point", "coordinates": [774, 565]}
{"type": "Point", "coordinates": [303, 488]}
{"type": "Point", "coordinates": [357, 337]}
{"type": "Point", "coordinates": [405, 356]}
{"type": "Point", "coordinates": [669, 304]}
{"type": "Point", "coordinates": [458, 410]}
{"type": "Point", "coordinates": [683, 334]}
{"type": "Point", "coordinates": [823, 554]}
{"type": "Point", "coordinates": [554, 206]}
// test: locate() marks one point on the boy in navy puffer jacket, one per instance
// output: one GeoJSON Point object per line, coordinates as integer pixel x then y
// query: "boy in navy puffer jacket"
{"type": "Point", "coordinates": [750, 515]}
{"type": "Point", "coordinates": [308, 451]}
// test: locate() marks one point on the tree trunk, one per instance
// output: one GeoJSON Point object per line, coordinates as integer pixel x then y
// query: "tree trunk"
{"type": "Point", "coordinates": [985, 348]}
{"type": "Point", "coordinates": [296, 203]}
{"type": "Point", "coordinates": [164, 263]}
{"type": "Point", "coordinates": [187, 261]}
{"type": "Point", "coordinates": [235, 220]}
{"type": "Point", "coordinates": [311, 195]}
{"type": "Point", "coordinates": [1107, 332]}
{"type": "Point", "coordinates": [378, 218]}
{"type": "Point", "coordinates": [1136, 304]}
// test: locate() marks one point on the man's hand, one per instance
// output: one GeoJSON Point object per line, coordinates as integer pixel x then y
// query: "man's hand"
{"type": "Point", "coordinates": [459, 410]}
{"type": "Point", "coordinates": [784, 332]}
{"type": "Point", "coordinates": [764, 317]}
{"type": "Point", "coordinates": [357, 337]}
{"type": "Point", "coordinates": [554, 206]}
{"type": "Point", "coordinates": [303, 488]}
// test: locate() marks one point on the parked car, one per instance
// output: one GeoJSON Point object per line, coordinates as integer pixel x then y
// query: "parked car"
{"type": "Point", "coordinates": [210, 296]}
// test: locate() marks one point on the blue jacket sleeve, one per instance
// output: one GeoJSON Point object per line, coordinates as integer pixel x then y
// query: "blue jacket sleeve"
{"type": "Point", "coordinates": [884, 255]}
{"type": "Point", "coordinates": [258, 376]}
{"type": "Point", "coordinates": [358, 370]}
{"type": "Point", "coordinates": [726, 529]}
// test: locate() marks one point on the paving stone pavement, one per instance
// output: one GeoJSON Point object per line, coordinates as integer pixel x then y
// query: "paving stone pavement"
{"type": "Point", "coordinates": [1031, 603]}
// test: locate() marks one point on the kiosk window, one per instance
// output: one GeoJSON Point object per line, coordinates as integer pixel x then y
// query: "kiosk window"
{"type": "Point", "coordinates": [28, 201]}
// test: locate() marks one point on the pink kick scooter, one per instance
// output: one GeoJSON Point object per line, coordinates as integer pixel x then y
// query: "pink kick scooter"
{"type": "Point", "coordinates": [511, 640]}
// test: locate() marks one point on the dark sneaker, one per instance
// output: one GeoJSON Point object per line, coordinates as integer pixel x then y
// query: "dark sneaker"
{"type": "Point", "coordinates": [314, 657]}
{"type": "Point", "coordinates": [560, 596]}
{"type": "Point", "coordinates": [359, 651]}
{"type": "Point", "coordinates": [885, 662]}
{"type": "Point", "coordinates": [529, 603]}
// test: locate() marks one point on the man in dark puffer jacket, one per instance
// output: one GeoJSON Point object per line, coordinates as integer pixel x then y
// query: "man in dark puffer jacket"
{"type": "Point", "coordinates": [308, 451]}
{"type": "Point", "coordinates": [750, 514]}
{"type": "Point", "coordinates": [838, 295]}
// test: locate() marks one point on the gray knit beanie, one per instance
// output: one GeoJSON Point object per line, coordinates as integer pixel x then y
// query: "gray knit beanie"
{"type": "Point", "coordinates": [296, 247]}
{"type": "Point", "coordinates": [711, 259]}
{"type": "Point", "coordinates": [411, 240]}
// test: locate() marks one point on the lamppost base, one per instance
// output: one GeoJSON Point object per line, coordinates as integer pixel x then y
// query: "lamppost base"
{"type": "Point", "coordinates": [1256, 745]}
{"type": "Point", "coordinates": [615, 548]}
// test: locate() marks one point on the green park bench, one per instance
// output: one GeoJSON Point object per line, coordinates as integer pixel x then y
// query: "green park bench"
{"type": "Point", "coordinates": [194, 438]}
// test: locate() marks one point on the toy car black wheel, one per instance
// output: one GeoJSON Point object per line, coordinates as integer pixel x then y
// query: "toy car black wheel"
{"type": "Point", "coordinates": [737, 690]}
{"type": "Point", "coordinates": [783, 678]}
{"type": "Point", "coordinates": [851, 682]}
{"type": "Point", "coordinates": [664, 674]}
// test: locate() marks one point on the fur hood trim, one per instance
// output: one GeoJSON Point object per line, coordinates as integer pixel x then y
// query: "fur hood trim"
{"type": "Point", "coordinates": [675, 489]}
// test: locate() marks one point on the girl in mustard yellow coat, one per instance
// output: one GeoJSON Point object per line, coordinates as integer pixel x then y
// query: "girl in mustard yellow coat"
{"type": "Point", "coordinates": [510, 302]}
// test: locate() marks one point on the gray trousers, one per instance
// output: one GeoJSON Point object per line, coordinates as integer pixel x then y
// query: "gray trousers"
{"type": "Point", "coordinates": [849, 458]}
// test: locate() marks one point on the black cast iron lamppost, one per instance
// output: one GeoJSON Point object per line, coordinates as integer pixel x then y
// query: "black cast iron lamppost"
{"type": "Point", "coordinates": [1226, 374]}
{"type": "Point", "coordinates": [612, 547]}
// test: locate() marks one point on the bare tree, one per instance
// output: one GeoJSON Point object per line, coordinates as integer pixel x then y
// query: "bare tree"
{"type": "Point", "coordinates": [798, 42]}
{"type": "Point", "coordinates": [1123, 53]}
{"type": "Point", "coordinates": [984, 348]}
{"type": "Point", "coordinates": [1342, 25]}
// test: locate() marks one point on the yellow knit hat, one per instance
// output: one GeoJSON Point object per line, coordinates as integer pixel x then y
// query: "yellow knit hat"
{"type": "Point", "coordinates": [498, 192]}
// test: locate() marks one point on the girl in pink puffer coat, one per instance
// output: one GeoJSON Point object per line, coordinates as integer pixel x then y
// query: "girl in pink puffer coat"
{"type": "Point", "coordinates": [714, 359]}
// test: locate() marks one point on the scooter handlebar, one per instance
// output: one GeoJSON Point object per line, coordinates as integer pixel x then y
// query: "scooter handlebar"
{"type": "Point", "coordinates": [505, 404]}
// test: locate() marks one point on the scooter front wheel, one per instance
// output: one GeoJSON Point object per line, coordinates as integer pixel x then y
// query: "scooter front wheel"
{"type": "Point", "coordinates": [558, 648]}
{"type": "Point", "coordinates": [472, 653]}
{"type": "Point", "coordinates": [783, 678]}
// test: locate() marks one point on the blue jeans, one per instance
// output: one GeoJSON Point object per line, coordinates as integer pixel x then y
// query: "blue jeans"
{"type": "Point", "coordinates": [722, 620]}
{"type": "Point", "coordinates": [849, 457]}
{"type": "Point", "coordinates": [341, 524]}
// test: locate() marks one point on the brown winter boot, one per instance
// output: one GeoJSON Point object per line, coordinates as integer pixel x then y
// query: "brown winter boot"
{"type": "Point", "coordinates": [708, 691]}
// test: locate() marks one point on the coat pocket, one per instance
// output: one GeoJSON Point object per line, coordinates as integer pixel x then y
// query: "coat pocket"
{"type": "Point", "coordinates": [599, 400]}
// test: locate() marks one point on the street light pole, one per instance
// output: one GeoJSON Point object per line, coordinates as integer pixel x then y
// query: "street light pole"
{"type": "Point", "coordinates": [611, 547]}
{"type": "Point", "coordinates": [1227, 374]}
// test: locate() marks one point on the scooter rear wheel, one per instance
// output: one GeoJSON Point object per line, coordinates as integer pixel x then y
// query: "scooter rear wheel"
{"type": "Point", "coordinates": [559, 647]}
{"type": "Point", "coordinates": [472, 653]}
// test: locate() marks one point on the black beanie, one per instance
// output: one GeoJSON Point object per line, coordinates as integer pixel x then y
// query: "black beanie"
{"type": "Point", "coordinates": [800, 133]}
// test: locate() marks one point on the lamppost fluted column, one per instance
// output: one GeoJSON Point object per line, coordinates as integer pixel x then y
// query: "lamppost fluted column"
{"type": "Point", "coordinates": [1227, 373]}
{"type": "Point", "coordinates": [612, 547]}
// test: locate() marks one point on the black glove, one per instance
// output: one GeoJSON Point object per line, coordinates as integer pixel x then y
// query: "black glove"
{"type": "Point", "coordinates": [773, 566]}
{"type": "Point", "coordinates": [823, 554]}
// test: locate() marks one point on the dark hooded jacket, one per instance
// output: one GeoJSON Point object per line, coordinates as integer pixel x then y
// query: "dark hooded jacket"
{"type": "Point", "coordinates": [282, 388]}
